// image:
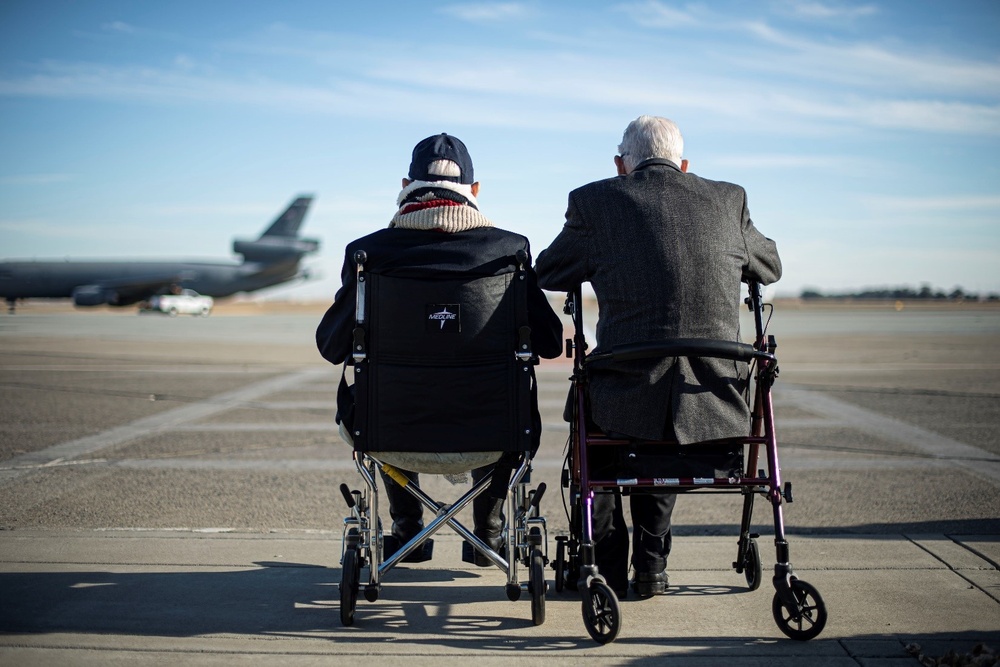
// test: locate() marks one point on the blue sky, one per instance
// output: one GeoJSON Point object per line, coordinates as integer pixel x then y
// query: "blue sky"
{"type": "Point", "coordinates": [867, 134]}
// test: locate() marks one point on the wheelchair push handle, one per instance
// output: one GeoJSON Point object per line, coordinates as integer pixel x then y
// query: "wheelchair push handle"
{"type": "Point", "coordinates": [348, 496]}
{"type": "Point", "coordinates": [536, 497]}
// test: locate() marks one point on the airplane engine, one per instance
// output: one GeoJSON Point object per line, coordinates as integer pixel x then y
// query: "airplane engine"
{"type": "Point", "coordinates": [93, 295]}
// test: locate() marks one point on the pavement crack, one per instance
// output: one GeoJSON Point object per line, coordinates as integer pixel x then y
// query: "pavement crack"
{"type": "Point", "coordinates": [971, 583]}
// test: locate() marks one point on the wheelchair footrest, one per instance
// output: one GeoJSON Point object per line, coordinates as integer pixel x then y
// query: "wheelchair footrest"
{"type": "Point", "coordinates": [423, 553]}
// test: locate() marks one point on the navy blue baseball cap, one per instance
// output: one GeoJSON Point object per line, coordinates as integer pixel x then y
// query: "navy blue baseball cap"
{"type": "Point", "coordinates": [441, 147]}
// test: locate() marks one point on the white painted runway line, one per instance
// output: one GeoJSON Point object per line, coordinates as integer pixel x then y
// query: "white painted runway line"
{"type": "Point", "coordinates": [972, 459]}
{"type": "Point", "coordinates": [931, 449]}
{"type": "Point", "coordinates": [158, 423]}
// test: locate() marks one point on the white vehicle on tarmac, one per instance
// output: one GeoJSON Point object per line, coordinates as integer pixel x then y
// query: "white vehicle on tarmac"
{"type": "Point", "coordinates": [187, 302]}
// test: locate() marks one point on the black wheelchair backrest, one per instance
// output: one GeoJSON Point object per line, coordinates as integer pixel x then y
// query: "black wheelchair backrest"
{"type": "Point", "coordinates": [440, 370]}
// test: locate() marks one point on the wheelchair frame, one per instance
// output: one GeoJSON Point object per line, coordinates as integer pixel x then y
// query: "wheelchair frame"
{"type": "Point", "coordinates": [362, 544]}
{"type": "Point", "coordinates": [797, 606]}
{"type": "Point", "coordinates": [525, 533]}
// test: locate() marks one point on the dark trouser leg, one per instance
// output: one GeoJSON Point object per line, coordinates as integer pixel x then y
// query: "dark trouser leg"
{"type": "Point", "coordinates": [487, 511]}
{"type": "Point", "coordinates": [405, 510]}
{"type": "Point", "coordinates": [651, 535]}
{"type": "Point", "coordinates": [487, 515]}
{"type": "Point", "coordinates": [611, 540]}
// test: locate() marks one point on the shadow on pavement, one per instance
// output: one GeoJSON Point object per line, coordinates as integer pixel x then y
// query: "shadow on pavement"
{"type": "Point", "coordinates": [964, 527]}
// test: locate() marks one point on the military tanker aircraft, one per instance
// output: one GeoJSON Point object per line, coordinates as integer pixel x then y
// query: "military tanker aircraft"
{"type": "Point", "coordinates": [271, 259]}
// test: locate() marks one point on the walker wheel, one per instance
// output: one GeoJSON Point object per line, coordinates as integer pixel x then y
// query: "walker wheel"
{"type": "Point", "coordinates": [536, 585]}
{"type": "Point", "coordinates": [601, 612]}
{"type": "Point", "coordinates": [751, 565]}
{"type": "Point", "coordinates": [349, 582]}
{"type": "Point", "coordinates": [560, 564]}
{"type": "Point", "coordinates": [809, 617]}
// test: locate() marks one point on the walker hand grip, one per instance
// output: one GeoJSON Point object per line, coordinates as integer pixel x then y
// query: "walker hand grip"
{"type": "Point", "coordinates": [682, 347]}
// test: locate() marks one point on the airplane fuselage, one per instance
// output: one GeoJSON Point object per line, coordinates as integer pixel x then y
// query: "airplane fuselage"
{"type": "Point", "coordinates": [58, 279]}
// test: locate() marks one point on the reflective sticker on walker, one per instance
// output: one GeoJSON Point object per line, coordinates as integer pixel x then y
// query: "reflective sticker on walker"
{"type": "Point", "coordinates": [444, 317]}
{"type": "Point", "coordinates": [704, 480]}
{"type": "Point", "coordinates": [627, 481]}
{"type": "Point", "coordinates": [666, 481]}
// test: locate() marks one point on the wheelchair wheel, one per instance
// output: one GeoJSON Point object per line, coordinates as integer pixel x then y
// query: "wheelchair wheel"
{"type": "Point", "coordinates": [536, 585]}
{"type": "Point", "coordinates": [751, 566]}
{"type": "Point", "coordinates": [601, 613]}
{"type": "Point", "coordinates": [349, 582]}
{"type": "Point", "coordinates": [810, 616]}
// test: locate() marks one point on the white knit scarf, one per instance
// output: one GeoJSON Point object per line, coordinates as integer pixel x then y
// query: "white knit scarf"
{"type": "Point", "coordinates": [447, 217]}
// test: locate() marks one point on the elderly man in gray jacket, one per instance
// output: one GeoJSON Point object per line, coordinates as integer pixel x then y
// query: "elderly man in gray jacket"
{"type": "Point", "coordinates": [665, 252]}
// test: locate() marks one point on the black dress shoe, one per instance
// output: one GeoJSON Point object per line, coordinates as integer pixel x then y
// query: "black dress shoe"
{"type": "Point", "coordinates": [391, 544]}
{"type": "Point", "coordinates": [648, 584]}
{"type": "Point", "coordinates": [471, 555]}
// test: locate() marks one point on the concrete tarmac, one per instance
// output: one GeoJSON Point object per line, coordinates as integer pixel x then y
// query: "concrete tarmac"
{"type": "Point", "coordinates": [168, 494]}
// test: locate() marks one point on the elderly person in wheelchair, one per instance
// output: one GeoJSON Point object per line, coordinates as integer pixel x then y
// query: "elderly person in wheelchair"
{"type": "Point", "coordinates": [438, 240]}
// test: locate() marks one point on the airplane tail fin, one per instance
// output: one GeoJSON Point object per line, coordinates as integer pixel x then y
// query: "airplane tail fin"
{"type": "Point", "coordinates": [280, 243]}
{"type": "Point", "coordinates": [287, 224]}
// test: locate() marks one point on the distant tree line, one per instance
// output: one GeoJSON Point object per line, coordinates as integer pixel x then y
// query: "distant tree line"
{"type": "Point", "coordinates": [926, 292]}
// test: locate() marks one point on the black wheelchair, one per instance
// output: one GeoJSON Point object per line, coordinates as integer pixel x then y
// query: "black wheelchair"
{"type": "Point", "coordinates": [443, 383]}
{"type": "Point", "coordinates": [597, 463]}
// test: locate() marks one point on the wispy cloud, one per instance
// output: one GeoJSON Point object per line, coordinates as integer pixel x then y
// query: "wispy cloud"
{"type": "Point", "coordinates": [882, 87]}
{"type": "Point", "coordinates": [787, 161]}
{"type": "Point", "coordinates": [111, 31]}
{"type": "Point", "coordinates": [119, 26]}
{"type": "Point", "coordinates": [484, 12]}
{"type": "Point", "coordinates": [58, 230]}
{"type": "Point", "coordinates": [656, 14]}
{"type": "Point", "coordinates": [569, 89]}
{"type": "Point", "coordinates": [35, 179]}
{"type": "Point", "coordinates": [660, 14]}
{"type": "Point", "coordinates": [936, 116]}
{"type": "Point", "coordinates": [519, 92]}
{"type": "Point", "coordinates": [809, 9]}
{"type": "Point", "coordinates": [945, 203]}
{"type": "Point", "coordinates": [873, 66]}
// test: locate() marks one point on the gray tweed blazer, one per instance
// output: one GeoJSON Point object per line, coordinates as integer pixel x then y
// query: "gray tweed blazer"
{"type": "Point", "coordinates": [665, 253]}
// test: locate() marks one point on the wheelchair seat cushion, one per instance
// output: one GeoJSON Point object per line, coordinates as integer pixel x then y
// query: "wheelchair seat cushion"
{"type": "Point", "coordinates": [438, 463]}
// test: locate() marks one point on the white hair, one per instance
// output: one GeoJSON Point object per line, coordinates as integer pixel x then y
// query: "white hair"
{"type": "Point", "coordinates": [648, 137]}
{"type": "Point", "coordinates": [444, 168]}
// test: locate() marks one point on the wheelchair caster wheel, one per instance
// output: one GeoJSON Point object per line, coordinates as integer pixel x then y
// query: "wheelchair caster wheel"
{"type": "Point", "coordinates": [601, 612]}
{"type": "Point", "coordinates": [809, 617]}
{"type": "Point", "coordinates": [513, 592]}
{"type": "Point", "coordinates": [371, 592]}
{"type": "Point", "coordinates": [349, 582]}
